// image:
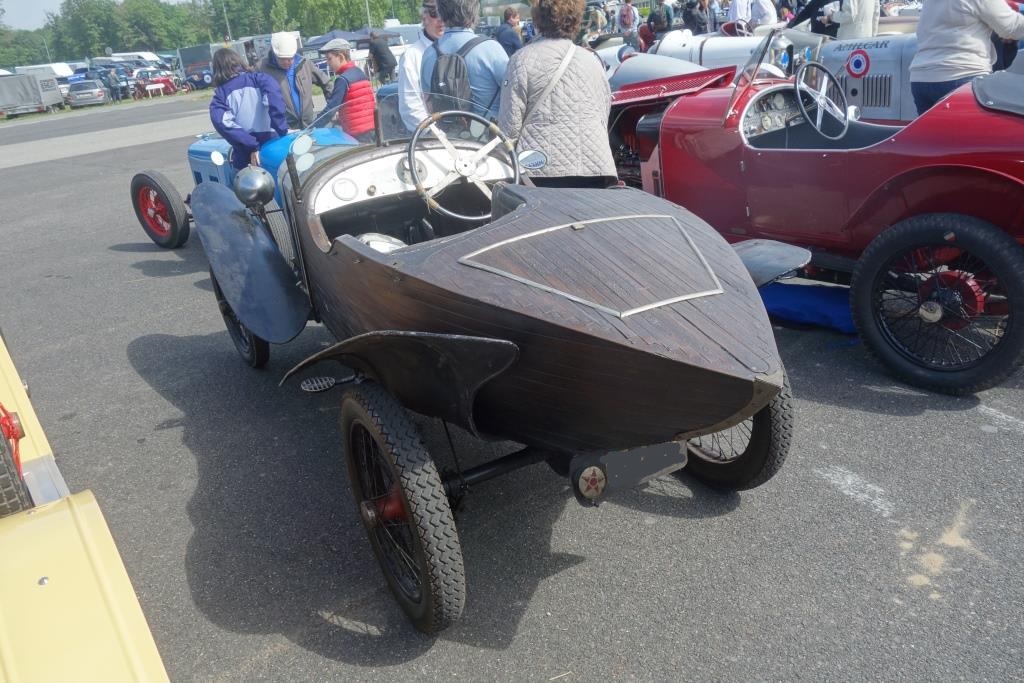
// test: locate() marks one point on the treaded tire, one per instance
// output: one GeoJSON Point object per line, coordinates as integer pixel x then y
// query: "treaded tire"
{"type": "Point", "coordinates": [771, 430]}
{"type": "Point", "coordinates": [997, 250]}
{"type": "Point", "coordinates": [255, 351]}
{"type": "Point", "coordinates": [167, 207]}
{"type": "Point", "coordinates": [13, 494]}
{"type": "Point", "coordinates": [369, 409]}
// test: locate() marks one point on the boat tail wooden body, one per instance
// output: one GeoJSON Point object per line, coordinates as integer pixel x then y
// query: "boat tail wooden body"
{"type": "Point", "coordinates": [635, 322]}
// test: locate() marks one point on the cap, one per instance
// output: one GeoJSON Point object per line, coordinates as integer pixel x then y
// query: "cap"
{"type": "Point", "coordinates": [336, 44]}
{"type": "Point", "coordinates": [284, 44]}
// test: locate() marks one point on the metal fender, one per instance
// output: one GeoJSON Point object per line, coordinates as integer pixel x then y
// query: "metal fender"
{"type": "Point", "coordinates": [433, 374]}
{"type": "Point", "coordinates": [257, 282]}
{"type": "Point", "coordinates": [768, 260]}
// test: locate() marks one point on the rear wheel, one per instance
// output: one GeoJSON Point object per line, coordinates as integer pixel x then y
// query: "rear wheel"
{"type": "Point", "coordinates": [13, 494]}
{"type": "Point", "coordinates": [404, 508]}
{"type": "Point", "coordinates": [253, 350]}
{"type": "Point", "coordinates": [748, 454]}
{"type": "Point", "coordinates": [160, 210]}
{"type": "Point", "coordinates": [939, 300]}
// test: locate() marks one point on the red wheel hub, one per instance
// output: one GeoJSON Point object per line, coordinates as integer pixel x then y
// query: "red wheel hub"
{"type": "Point", "coordinates": [11, 429]}
{"type": "Point", "coordinates": [390, 508]}
{"type": "Point", "coordinates": [954, 290]}
{"type": "Point", "coordinates": [154, 211]}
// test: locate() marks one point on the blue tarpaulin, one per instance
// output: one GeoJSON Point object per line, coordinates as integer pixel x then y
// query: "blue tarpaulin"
{"type": "Point", "coordinates": [819, 305]}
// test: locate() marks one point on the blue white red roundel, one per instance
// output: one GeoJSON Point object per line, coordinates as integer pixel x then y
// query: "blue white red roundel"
{"type": "Point", "coordinates": [858, 64]}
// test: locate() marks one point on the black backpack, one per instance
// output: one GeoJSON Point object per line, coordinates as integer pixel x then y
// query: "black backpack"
{"type": "Point", "coordinates": [659, 19]}
{"type": "Point", "coordinates": [449, 83]}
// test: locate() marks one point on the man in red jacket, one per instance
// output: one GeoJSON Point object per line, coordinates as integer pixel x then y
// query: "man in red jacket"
{"type": "Point", "coordinates": [352, 89]}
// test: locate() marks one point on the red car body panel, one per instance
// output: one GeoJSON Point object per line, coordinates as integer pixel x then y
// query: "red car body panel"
{"type": "Point", "coordinates": [958, 157]}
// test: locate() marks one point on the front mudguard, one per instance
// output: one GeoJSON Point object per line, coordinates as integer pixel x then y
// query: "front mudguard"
{"type": "Point", "coordinates": [261, 288]}
{"type": "Point", "coordinates": [433, 374]}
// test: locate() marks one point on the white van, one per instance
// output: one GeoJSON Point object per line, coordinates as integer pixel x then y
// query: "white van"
{"type": "Point", "coordinates": [144, 56]}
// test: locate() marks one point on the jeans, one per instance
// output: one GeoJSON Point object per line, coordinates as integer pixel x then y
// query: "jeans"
{"type": "Point", "coordinates": [926, 95]}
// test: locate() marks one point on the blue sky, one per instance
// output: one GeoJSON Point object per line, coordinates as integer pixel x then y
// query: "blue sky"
{"type": "Point", "coordinates": [28, 14]}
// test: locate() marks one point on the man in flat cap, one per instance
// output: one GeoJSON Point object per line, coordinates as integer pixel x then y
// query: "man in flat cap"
{"type": "Point", "coordinates": [352, 91]}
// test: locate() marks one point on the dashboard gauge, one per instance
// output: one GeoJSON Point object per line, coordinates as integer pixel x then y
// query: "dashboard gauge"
{"type": "Point", "coordinates": [766, 122]}
{"type": "Point", "coordinates": [779, 101]}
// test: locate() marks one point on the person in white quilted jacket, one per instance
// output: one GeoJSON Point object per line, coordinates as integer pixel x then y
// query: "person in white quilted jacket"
{"type": "Point", "coordinates": [568, 122]}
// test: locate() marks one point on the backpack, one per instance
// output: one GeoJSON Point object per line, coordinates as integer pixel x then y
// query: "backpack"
{"type": "Point", "coordinates": [659, 19]}
{"type": "Point", "coordinates": [449, 83]}
{"type": "Point", "coordinates": [626, 17]}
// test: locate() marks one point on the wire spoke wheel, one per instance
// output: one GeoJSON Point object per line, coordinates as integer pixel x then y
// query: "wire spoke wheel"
{"type": "Point", "coordinates": [745, 455]}
{"type": "Point", "coordinates": [253, 350]}
{"type": "Point", "coordinates": [939, 299]}
{"type": "Point", "coordinates": [404, 508]}
{"type": "Point", "coordinates": [931, 303]}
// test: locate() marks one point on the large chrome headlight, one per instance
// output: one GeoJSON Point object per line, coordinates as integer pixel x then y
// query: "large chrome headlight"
{"type": "Point", "coordinates": [254, 186]}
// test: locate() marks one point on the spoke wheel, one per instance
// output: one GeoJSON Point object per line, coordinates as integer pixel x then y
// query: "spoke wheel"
{"type": "Point", "coordinates": [254, 350]}
{"type": "Point", "coordinates": [160, 210]}
{"type": "Point", "coordinates": [748, 454]}
{"type": "Point", "coordinates": [404, 508]}
{"type": "Point", "coordinates": [939, 299]}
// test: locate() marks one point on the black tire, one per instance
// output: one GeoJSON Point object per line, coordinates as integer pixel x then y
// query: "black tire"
{"type": "Point", "coordinates": [388, 468]}
{"type": "Point", "coordinates": [747, 455]}
{"type": "Point", "coordinates": [254, 350]}
{"type": "Point", "coordinates": [13, 494]}
{"type": "Point", "coordinates": [160, 210]}
{"type": "Point", "coordinates": [971, 275]}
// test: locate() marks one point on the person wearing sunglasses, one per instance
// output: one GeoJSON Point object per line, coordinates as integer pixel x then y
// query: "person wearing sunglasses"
{"type": "Point", "coordinates": [410, 88]}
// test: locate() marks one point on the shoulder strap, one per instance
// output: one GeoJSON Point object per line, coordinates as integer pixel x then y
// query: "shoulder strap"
{"type": "Point", "coordinates": [550, 86]}
{"type": "Point", "coordinates": [464, 50]}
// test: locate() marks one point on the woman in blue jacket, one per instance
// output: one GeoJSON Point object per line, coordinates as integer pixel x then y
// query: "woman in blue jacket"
{"type": "Point", "coordinates": [247, 108]}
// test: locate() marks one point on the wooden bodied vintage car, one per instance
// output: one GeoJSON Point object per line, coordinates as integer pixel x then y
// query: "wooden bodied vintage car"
{"type": "Point", "coordinates": [923, 221]}
{"type": "Point", "coordinates": [615, 343]}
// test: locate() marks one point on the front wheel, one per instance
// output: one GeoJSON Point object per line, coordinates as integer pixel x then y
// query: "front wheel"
{"type": "Point", "coordinates": [748, 454]}
{"type": "Point", "coordinates": [939, 300]}
{"type": "Point", "coordinates": [404, 508]}
{"type": "Point", "coordinates": [160, 210]}
{"type": "Point", "coordinates": [254, 350]}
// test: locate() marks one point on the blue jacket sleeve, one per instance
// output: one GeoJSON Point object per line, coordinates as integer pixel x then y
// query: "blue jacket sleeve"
{"type": "Point", "coordinates": [275, 102]}
{"type": "Point", "coordinates": [224, 123]}
{"type": "Point", "coordinates": [338, 93]}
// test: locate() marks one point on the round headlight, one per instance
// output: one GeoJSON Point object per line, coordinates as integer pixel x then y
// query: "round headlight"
{"type": "Point", "coordinates": [254, 186]}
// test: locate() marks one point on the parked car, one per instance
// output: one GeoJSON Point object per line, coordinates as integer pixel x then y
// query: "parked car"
{"type": "Point", "coordinates": [85, 93]}
{"type": "Point", "coordinates": [921, 220]}
{"type": "Point", "coordinates": [147, 77]}
{"type": "Point", "coordinates": [874, 72]}
{"type": "Point", "coordinates": [444, 281]}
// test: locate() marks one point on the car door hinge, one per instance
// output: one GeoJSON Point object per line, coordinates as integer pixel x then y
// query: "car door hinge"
{"type": "Point", "coordinates": [748, 212]}
{"type": "Point", "coordinates": [743, 167]}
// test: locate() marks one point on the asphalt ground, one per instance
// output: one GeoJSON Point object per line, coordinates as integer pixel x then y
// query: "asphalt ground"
{"type": "Point", "coordinates": [888, 547]}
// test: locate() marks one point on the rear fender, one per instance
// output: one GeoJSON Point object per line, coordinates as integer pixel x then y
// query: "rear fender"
{"type": "Point", "coordinates": [768, 260]}
{"type": "Point", "coordinates": [257, 282]}
{"type": "Point", "coordinates": [433, 374]}
{"type": "Point", "coordinates": [989, 195]}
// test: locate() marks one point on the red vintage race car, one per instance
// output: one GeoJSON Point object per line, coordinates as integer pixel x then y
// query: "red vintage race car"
{"type": "Point", "coordinates": [924, 222]}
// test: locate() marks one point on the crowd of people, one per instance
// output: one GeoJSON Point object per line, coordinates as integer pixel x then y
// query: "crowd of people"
{"type": "Point", "coordinates": [542, 88]}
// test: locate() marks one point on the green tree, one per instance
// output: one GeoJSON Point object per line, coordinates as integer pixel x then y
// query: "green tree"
{"type": "Point", "coordinates": [88, 27]}
{"type": "Point", "coordinates": [146, 24]}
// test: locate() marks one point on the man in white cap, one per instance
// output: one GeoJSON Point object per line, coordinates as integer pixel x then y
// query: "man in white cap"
{"type": "Point", "coordinates": [296, 76]}
{"type": "Point", "coordinates": [410, 88]}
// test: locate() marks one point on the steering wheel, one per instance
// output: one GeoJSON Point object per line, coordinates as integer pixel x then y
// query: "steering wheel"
{"type": "Point", "coordinates": [464, 164]}
{"type": "Point", "coordinates": [824, 99]}
{"type": "Point", "coordinates": [739, 27]}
